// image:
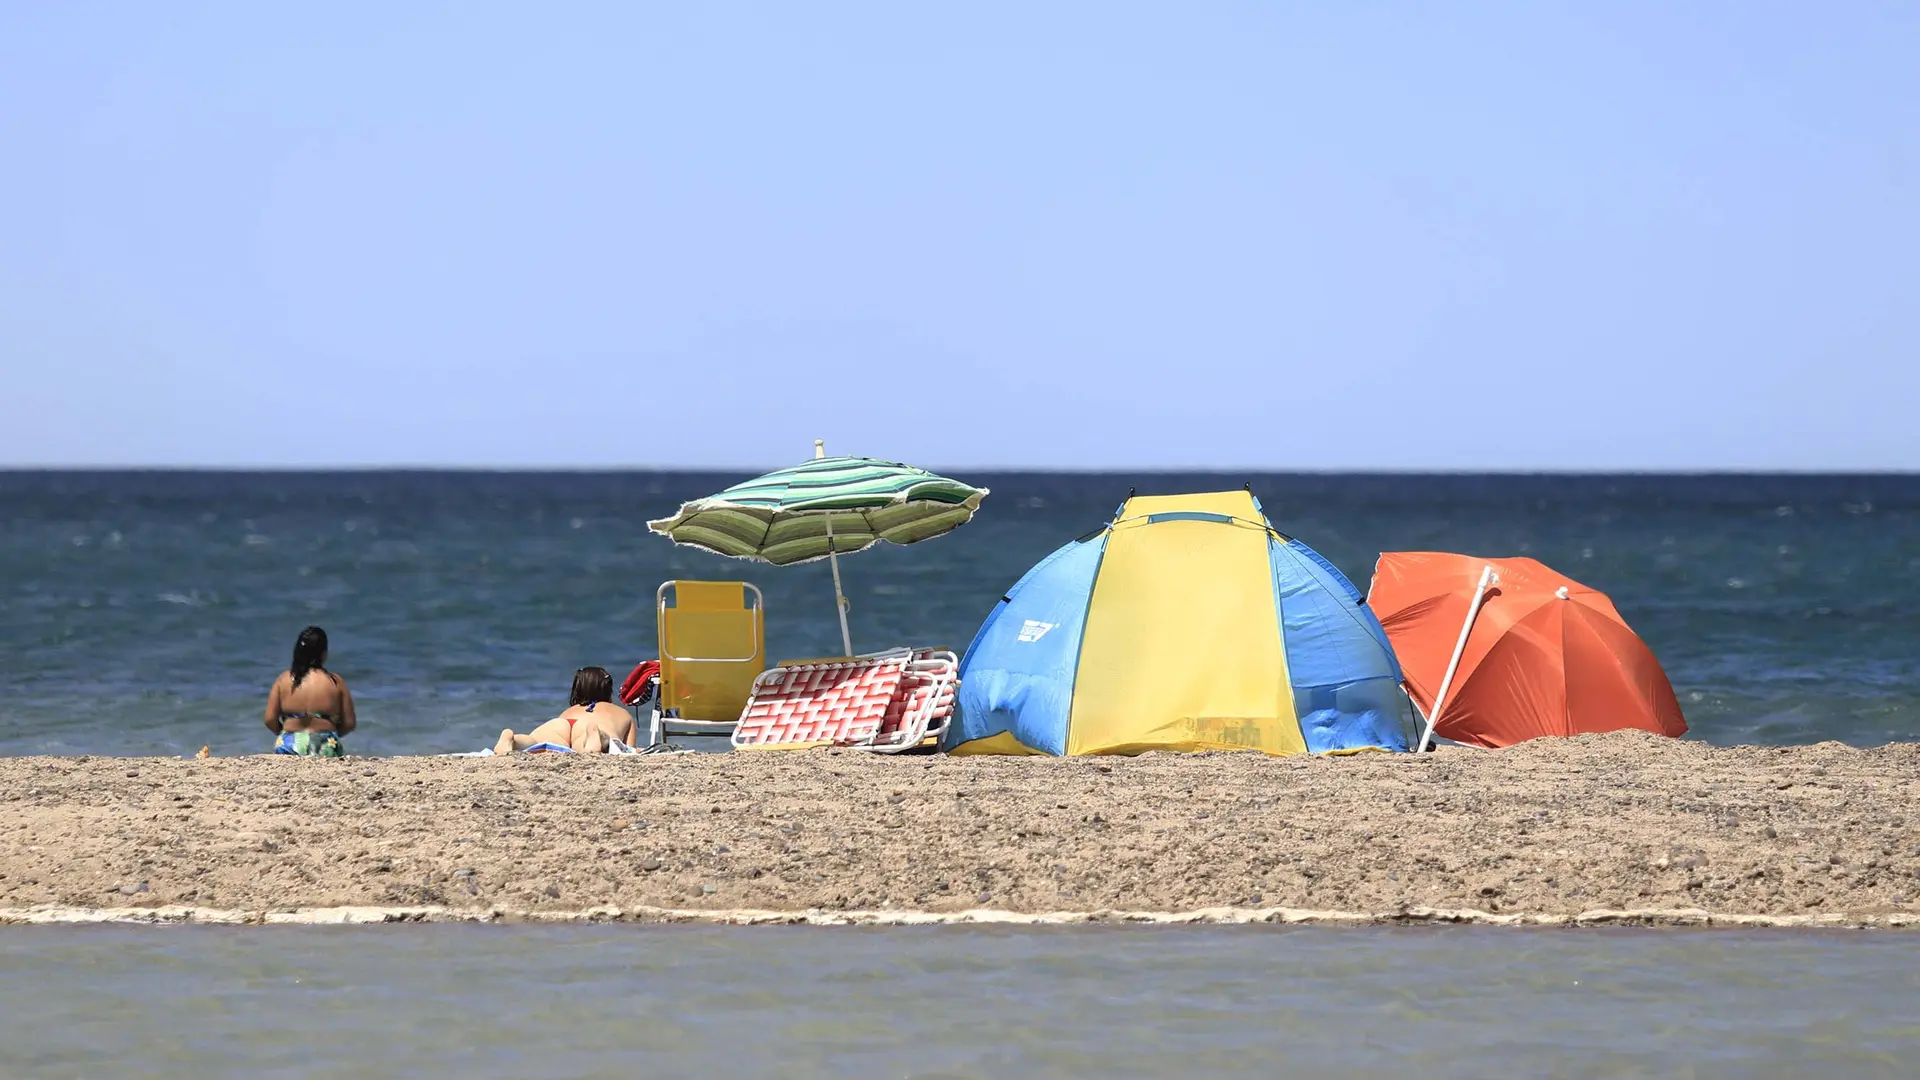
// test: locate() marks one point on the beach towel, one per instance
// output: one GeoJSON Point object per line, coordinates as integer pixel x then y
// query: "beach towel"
{"type": "Point", "coordinates": [614, 746]}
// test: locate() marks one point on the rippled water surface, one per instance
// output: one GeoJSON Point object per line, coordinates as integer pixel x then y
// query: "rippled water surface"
{"type": "Point", "coordinates": [146, 612]}
{"type": "Point", "coordinates": [480, 1001]}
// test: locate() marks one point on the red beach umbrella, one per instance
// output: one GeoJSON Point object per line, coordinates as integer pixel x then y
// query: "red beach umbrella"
{"type": "Point", "coordinates": [1511, 650]}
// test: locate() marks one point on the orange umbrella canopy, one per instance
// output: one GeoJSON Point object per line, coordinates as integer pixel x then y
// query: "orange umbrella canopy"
{"type": "Point", "coordinates": [1547, 655]}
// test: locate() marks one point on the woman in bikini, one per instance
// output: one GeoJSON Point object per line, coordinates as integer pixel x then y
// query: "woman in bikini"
{"type": "Point", "coordinates": [309, 707]}
{"type": "Point", "coordinates": [590, 720]}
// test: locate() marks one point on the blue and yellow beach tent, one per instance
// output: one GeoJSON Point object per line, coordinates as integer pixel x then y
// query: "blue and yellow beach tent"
{"type": "Point", "coordinates": [1187, 623]}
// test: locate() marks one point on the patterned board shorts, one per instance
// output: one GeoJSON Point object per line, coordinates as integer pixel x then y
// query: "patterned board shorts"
{"type": "Point", "coordinates": [309, 744]}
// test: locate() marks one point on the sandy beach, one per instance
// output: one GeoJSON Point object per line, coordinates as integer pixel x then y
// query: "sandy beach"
{"type": "Point", "coordinates": [1547, 830]}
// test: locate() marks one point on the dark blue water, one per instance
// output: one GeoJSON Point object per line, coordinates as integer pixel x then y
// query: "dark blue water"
{"type": "Point", "coordinates": [146, 612]}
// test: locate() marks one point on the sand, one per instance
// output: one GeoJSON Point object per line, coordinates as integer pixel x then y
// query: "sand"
{"type": "Point", "coordinates": [1623, 827]}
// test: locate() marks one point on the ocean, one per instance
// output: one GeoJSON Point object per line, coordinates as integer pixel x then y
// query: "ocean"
{"type": "Point", "coordinates": [146, 612]}
{"type": "Point", "coordinates": [668, 1001]}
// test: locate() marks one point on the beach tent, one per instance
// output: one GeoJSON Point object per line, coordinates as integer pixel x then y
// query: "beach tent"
{"type": "Point", "coordinates": [1498, 651]}
{"type": "Point", "coordinates": [1186, 623]}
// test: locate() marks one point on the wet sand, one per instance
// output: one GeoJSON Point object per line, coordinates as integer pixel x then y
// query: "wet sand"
{"type": "Point", "coordinates": [1597, 828]}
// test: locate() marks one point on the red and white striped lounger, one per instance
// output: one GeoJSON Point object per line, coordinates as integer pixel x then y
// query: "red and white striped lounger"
{"type": "Point", "coordinates": [924, 705]}
{"type": "Point", "coordinates": [840, 702]}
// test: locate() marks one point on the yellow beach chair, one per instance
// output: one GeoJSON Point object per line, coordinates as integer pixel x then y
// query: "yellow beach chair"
{"type": "Point", "coordinates": [713, 644]}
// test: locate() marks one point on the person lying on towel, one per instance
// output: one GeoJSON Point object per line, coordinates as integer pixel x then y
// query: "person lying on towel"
{"type": "Point", "coordinates": [590, 721]}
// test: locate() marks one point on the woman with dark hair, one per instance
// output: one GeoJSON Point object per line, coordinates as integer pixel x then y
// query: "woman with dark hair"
{"type": "Point", "coordinates": [591, 719]}
{"type": "Point", "coordinates": [309, 707]}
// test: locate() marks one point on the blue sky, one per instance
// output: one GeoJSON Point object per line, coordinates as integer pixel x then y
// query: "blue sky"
{"type": "Point", "coordinates": [1311, 236]}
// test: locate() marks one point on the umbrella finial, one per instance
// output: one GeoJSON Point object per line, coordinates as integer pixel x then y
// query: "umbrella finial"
{"type": "Point", "coordinates": [819, 448]}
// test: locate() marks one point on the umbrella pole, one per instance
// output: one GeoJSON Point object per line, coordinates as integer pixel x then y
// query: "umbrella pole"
{"type": "Point", "coordinates": [1487, 578]}
{"type": "Point", "coordinates": [839, 598]}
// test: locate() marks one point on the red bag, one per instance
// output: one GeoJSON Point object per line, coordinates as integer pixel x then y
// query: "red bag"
{"type": "Point", "coordinates": [635, 687]}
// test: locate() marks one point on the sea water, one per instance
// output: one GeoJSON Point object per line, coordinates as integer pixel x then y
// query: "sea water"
{"type": "Point", "coordinates": [145, 613]}
{"type": "Point", "coordinates": [577, 1001]}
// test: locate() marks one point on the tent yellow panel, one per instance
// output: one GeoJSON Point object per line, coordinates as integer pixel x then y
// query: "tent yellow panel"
{"type": "Point", "coordinates": [1183, 649]}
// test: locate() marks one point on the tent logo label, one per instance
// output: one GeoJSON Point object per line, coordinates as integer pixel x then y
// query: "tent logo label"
{"type": "Point", "coordinates": [1032, 630]}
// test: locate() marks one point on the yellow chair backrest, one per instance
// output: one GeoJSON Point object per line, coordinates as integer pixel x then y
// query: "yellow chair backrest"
{"type": "Point", "coordinates": [713, 643]}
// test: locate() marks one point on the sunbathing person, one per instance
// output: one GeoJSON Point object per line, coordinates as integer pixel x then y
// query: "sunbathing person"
{"type": "Point", "coordinates": [591, 719]}
{"type": "Point", "coordinates": [309, 707]}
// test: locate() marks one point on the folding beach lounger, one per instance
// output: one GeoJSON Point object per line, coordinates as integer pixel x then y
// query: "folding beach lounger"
{"type": "Point", "coordinates": [821, 702]}
{"type": "Point", "coordinates": [713, 644]}
{"type": "Point", "coordinates": [886, 702]}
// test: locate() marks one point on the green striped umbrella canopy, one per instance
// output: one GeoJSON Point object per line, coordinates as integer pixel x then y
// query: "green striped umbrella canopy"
{"type": "Point", "coordinates": [823, 509]}
{"type": "Point", "coordinates": [827, 506]}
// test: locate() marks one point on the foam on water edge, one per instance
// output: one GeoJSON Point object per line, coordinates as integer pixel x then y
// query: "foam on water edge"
{"type": "Point", "coordinates": [54, 914]}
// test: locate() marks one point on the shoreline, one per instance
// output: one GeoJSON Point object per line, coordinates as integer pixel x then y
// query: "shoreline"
{"type": "Point", "coordinates": [1646, 918]}
{"type": "Point", "coordinates": [1620, 829]}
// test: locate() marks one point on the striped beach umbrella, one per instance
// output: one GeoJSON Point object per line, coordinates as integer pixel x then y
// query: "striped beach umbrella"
{"type": "Point", "coordinates": [822, 509]}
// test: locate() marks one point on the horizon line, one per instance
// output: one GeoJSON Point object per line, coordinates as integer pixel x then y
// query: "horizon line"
{"type": "Point", "coordinates": [1023, 470]}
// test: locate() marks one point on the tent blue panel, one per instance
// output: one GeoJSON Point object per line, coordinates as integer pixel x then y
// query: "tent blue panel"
{"type": "Point", "coordinates": [1331, 575]}
{"type": "Point", "coordinates": [1018, 674]}
{"type": "Point", "coordinates": [1346, 682]}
